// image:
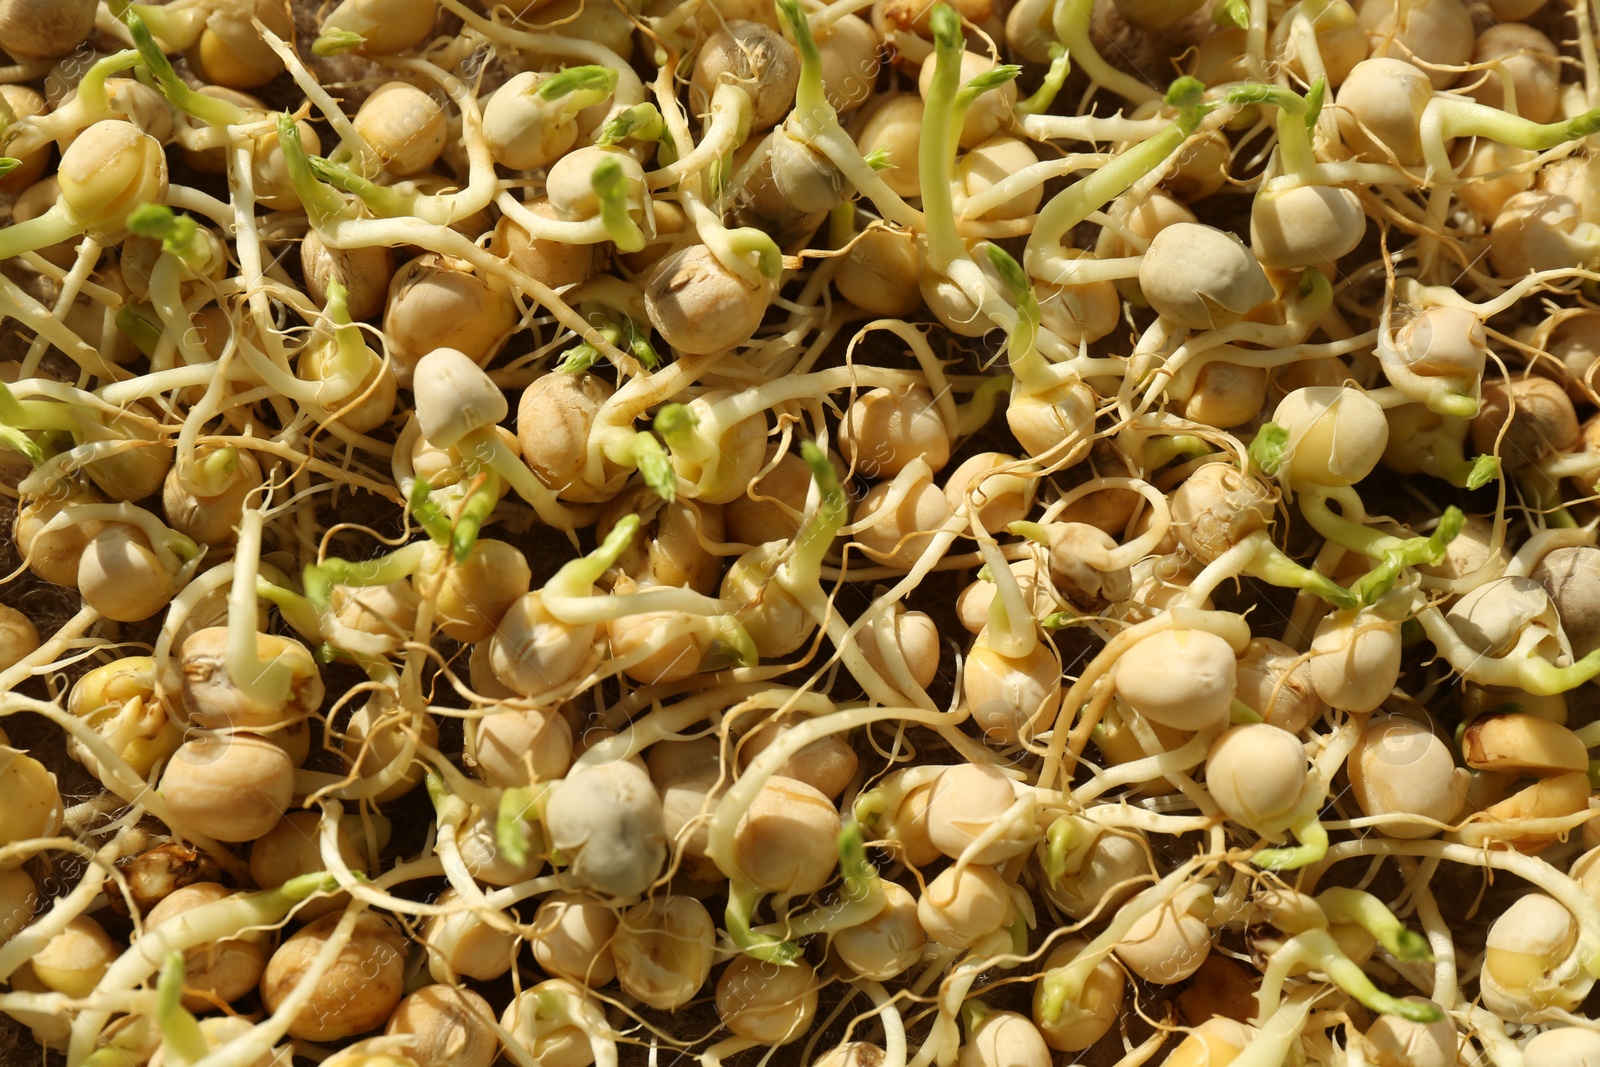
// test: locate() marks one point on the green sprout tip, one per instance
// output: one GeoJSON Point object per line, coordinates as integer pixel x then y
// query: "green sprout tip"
{"type": "Point", "coordinates": [336, 43]}
{"type": "Point", "coordinates": [655, 466]}
{"type": "Point", "coordinates": [1266, 450]}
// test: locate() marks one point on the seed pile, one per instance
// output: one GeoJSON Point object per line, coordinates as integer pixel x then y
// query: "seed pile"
{"type": "Point", "coordinates": [860, 534]}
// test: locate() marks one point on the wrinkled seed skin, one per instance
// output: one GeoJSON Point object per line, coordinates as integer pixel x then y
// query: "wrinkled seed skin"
{"type": "Point", "coordinates": [698, 306]}
{"type": "Point", "coordinates": [356, 995]}
{"type": "Point", "coordinates": [1572, 578]}
{"type": "Point", "coordinates": [1543, 421]}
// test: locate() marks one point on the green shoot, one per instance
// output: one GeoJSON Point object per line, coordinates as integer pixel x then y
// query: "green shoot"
{"type": "Point", "coordinates": [144, 334]}
{"type": "Point", "coordinates": [579, 87]}
{"type": "Point", "coordinates": [1394, 553]}
{"type": "Point", "coordinates": [384, 201]}
{"type": "Point", "coordinates": [611, 190]}
{"type": "Point", "coordinates": [655, 466]}
{"type": "Point", "coordinates": [577, 577]}
{"type": "Point", "coordinates": [1019, 934]}
{"type": "Point", "coordinates": [677, 423]}
{"type": "Point", "coordinates": [1465, 118]}
{"type": "Point", "coordinates": [1313, 847]}
{"type": "Point", "coordinates": [1059, 840]}
{"type": "Point", "coordinates": [973, 1013]}
{"type": "Point", "coordinates": [181, 1037]}
{"type": "Point", "coordinates": [298, 611]}
{"type": "Point", "coordinates": [641, 122]}
{"type": "Point", "coordinates": [1240, 713]}
{"type": "Point", "coordinates": [804, 566]}
{"type": "Point", "coordinates": [1232, 13]}
{"type": "Point", "coordinates": [879, 159]}
{"type": "Point", "coordinates": [207, 109]}
{"type": "Point", "coordinates": [1028, 366]}
{"type": "Point", "coordinates": [475, 509]}
{"type": "Point", "coordinates": [980, 407]}
{"type": "Point", "coordinates": [1054, 78]}
{"type": "Point", "coordinates": [639, 344]}
{"type": "Point", "coordinates": [1324, 952]}
{"type": "Point", "coordinates": [518, 809]}
{"type": "Point", "coordinates": [428, 515]}
{"type": "Point", "coordinates": [1296, 118]}
{"type": "Point", "coordinates": [17, 441]}
{"type": "Point", "coordinates": [1158, 452]}
{"type": "Point", "coordinates": [811, 107]}
{"type": "Point", "coordinates": [318, 579]}
{"type": "Point", "coordinates": [321, 203]}
{"type": "Point", "coordinates": [748, 240]}
{"type": "Point", "coordinates": [1367, 911]}
{"type": "Point", "coordinates": [1485, 469]}
{"type": "Point", "coordinates": [988, 81]}
{"type": "Point", "coordinates": [1315, 96]}
{"type": "Point", "coordinates": [1410, 552]}
{"type": "Point", "coordinates": [337, 42]}
{"type": "Point", "coordinates": [855, 868]}
{"type": "Point", "coordinates": [179, 234]}
{"type": "Point", "coordinates": [1267, 448]}
{"type": "Point", "coordinates": [666, 149]}
{"type": "Point", "coordinates": [733, 642]}
{"type": "Point", "coordinates": [742, 900]}
{"type": "Point", "coordinates": [577, 359]}
{"type": "Point", "coordinates": [36, 414]}
{"type": "Point", "coordinates": [1272, 564]}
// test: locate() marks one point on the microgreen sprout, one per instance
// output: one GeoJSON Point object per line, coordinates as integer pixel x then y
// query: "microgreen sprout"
{"type": "Point", "coordinates": [943, 113]}
{"type": "Point", "coordinates": [621, 331]}
{"type": "Point", "coordinates": [382, 200]}
{"type": "Point", "coordinates": [579, 87]}
{"type": "Point", "coordinates": [1267, 448]}
{"type": "Point", "coordinates": [1410, 552]}
{"type": "Point", "coordinates": [336, 43]}
{"type": "Point", "coordinates": [459, 407]}
{"type": "Point", "coordinates": [178, 28]}
{"type": "Point", "coordinates": [518, 808]}
{"type": "Point", "coordinates": [182, 1039]}
{"type": "Point", "coordinates": [322, 205]}
{"type": "Point", "coordinates": [1055, 77]}
{"type": "Point", "coordinates": [1235, 13]}
{"type": "Point", "coordinates": [1044, 258]}
{"type": "Point", "coordinates": [1059, 840]}
{"type": "Point", "coordinates": [815, 122]}
{"type": "Point", "coordinates": [207, 109]}
{"type": "Point", "coordinates": [1368, 912]}
{"type": "Point", "coordinates": [641, 122]}
{"type": "Point", "coordinates": [178, 234]}
{"type": "Point", "coordinates": [611, 190]}
{"type": "Point", "coordinates": [716, 444]}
